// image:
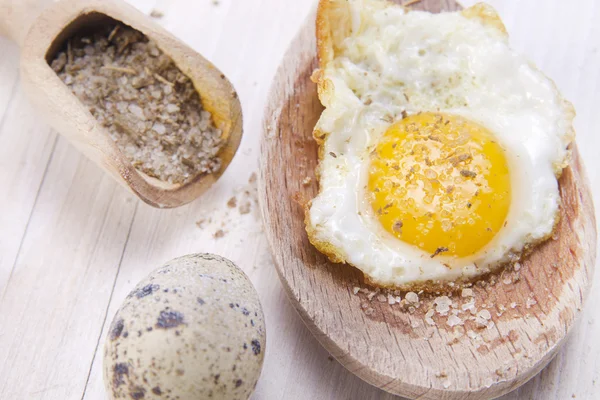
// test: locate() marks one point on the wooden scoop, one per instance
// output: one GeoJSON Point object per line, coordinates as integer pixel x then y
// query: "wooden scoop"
{"type": "Point", "coordinates": [42, 36]}
{"type": "Point", "coordinates": [524, 315]}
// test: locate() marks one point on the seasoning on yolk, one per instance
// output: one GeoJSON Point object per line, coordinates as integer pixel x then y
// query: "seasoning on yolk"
{"type": "Point", "coordinates": [441, 183]}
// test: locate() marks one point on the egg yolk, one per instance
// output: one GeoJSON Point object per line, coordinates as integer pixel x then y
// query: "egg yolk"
{"type": "Point", "coordinates": [441, 183]}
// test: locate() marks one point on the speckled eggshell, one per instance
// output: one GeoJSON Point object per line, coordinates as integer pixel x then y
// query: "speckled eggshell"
{"type": "Point", "coordinates": [193, 329]}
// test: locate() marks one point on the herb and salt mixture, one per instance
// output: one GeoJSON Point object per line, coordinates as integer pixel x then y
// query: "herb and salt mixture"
{"type": "Point", "coordinates": [150, 108]}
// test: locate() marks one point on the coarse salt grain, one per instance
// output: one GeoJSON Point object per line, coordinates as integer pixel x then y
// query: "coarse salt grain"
{"type": "Point", "coordinates": [469, 305]}
{"type": "Point", "coordinates": [472, 334]}
{"type": "Point", "coordinates": [159, 128]}
{"type": "Point", "coordinates": [530, 302]}
{"type": "Point", "coordinates": [482, 319]}
{"type": "Point", "coordinates": [172, 108]}
{"type": "Point", "coordinates": [442, 304]}
{"type": "Point", "coordinates": [137, 111]}
{"type": "Point", "coordinates": [453, 320]}
{"type": "Point", "coordinates": [412, 297]}
{"type": "Point", "coordinates": [428, 318]}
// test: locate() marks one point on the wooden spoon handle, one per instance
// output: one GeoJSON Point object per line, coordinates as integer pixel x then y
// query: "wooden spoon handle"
{"type": "Point", "coordinates": [17, 16]}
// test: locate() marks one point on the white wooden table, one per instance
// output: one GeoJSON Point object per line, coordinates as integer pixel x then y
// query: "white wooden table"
{"type": "Point", "coordinates": [73, 243]}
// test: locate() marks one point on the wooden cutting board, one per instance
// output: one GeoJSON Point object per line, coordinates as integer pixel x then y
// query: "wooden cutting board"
{"type": "Point", "coordinates": [531, 309]}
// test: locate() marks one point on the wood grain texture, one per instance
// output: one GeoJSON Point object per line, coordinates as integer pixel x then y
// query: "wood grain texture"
{"type": "Point", "coordinates": [17, 17]}
{"type": "Point", "coordinates": [247, 40]}
{"type": "Point", "coordinates": [395, 350]}
{"type": "Point", "coordinates": [65, 113]}
{"type": "Point", "coordinates": [48, 291]}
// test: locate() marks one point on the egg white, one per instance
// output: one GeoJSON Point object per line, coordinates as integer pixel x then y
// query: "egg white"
{"type": "Point", "coordinates": [396, 62]}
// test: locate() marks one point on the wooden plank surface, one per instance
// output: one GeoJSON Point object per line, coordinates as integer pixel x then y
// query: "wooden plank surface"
{"type": "Point", "coordinates": [73, 243]}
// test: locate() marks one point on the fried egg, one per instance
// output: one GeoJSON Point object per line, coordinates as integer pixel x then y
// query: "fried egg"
{"type": "Point", "coordinates": [439, 146]}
